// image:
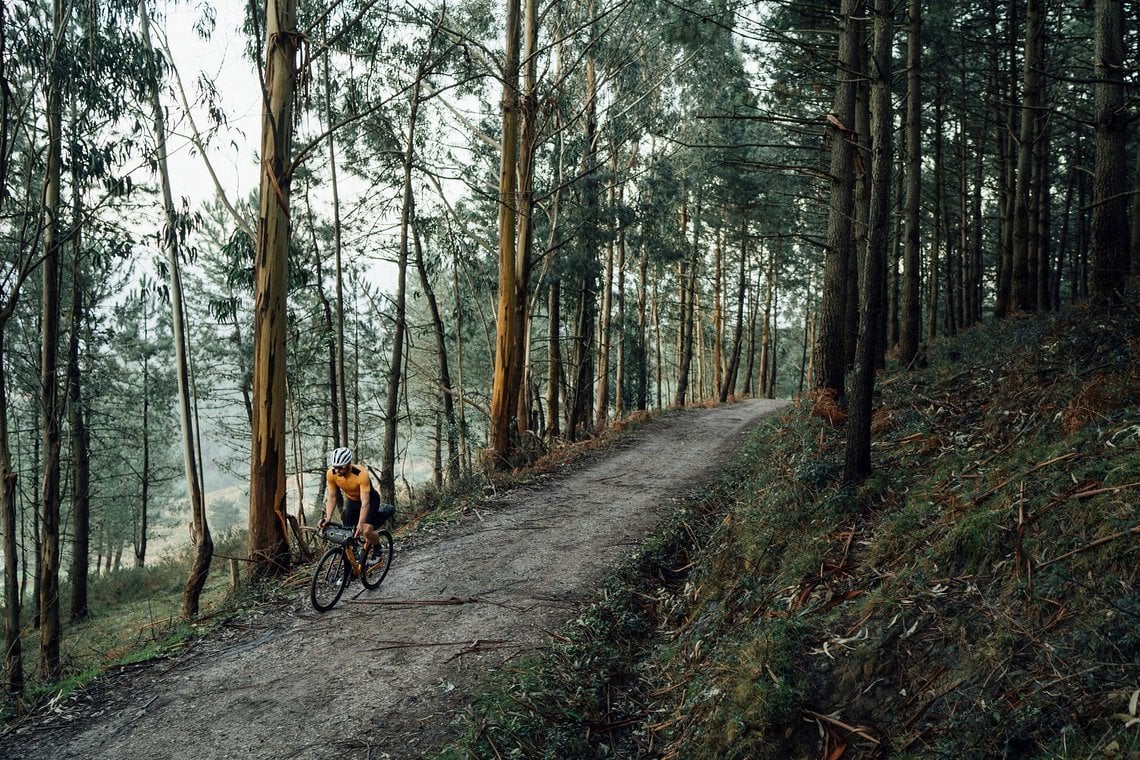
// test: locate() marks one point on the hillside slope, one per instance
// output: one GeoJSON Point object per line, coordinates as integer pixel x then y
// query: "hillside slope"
{"type": "Point", "coordinates": [976, 598]}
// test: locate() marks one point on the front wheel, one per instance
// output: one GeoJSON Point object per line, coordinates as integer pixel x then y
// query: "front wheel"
{"type": "Point", "coordinates": [379, 561]}
{"type": "Point", "coordinates": [329, 580]}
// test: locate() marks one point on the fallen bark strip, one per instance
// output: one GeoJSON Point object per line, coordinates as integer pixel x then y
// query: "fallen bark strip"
{"type": "Point", "coordinates": [386, 644]}
{"type": "Point", "coordinates": [1134, 530]}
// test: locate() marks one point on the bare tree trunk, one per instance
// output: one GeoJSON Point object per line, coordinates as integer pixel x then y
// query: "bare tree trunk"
{"type": "Point", "coordinates": [688, 281]}
{"type": "Point", "coordinates": [268, 537]}
{"type": "Point", "coordinates": [910, 326]}
{"type": "Point", "coordinates": [1110, 234]}
{"type": "Point", "coordinates": [80, 457]}
{"type": "Point", "coordinates": [830, 354]}
{"type": "Point", "coordinates": [446, 390]}
{"type": "Point", "coordinates": [858, 450]}
{"type": "Point", "coordinates": [738, 335]}
{"type": "Point", "coordinates": [49, 376]}
{"type": "Point", "coordinates": [200, 530]}
{"type": "Point", "coordinates": [506, 381]}
{"type": "Point", "coordinates": [602, 407]}
{"type": "Point", "coordinates": [13, 649]}
{"type": "Point", "coordinates": [340, 386]}
{"type": "Point", "coordinates": [142, 529]}
{"type": "Point", "coordinates": [399, 331]}
{"type": "Point", "coordinates": [554, 362]}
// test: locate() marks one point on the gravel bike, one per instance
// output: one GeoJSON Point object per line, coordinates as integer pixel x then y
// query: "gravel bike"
{"type": "Point", "coordinates": [344, 561]}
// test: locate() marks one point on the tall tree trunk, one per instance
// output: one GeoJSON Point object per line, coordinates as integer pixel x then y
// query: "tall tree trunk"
{"type": "Point", "coordinates": [49, 375]}
{"type": "Point", "coordinates": [506, 381]}
{"type": "Point", "coordinates": [528, 146]}
{"type": "Point", "coordinates": [619, 373]}
{"type": "Point", "coordinates": [910, 326]}
{"type": "Point", "coordinates": [830, 354]}
{"type": "Point", "coordinates": [1007, 171]}
{"type": "Point", "coordinates": [936, 232]}
{"type": "Point", "coordinates": [642, 370]}
{"type": "Point", "coordinates": [602, 407]}
{"type": "Point", "coordinates": [1022, 287]}
{"type": "Point", "coordinates": [399, 328]}
{"type": "Point", "coordinates": [268, 542]}
{"type": "Point", "coordinates": [13, 649]}
{"type": "Point", "coordinates": [687, 281]}
{"type": "Point", "coordinates": [554, 363]}
{"type": "Point", "coordinates": [80, 458]}
{"type": "Point", "coordinates": [340, 385]}
{"type": "Point", "coordinates": [446, 390]}
{"type": "Point", "coordinates": [199, 530]}
{"type": "Point", "coordinates": [858, 451]}
{"type": "Point", "coordinates": [738, 334]}
{"type": "Point", "coordinates": [1109, 246]}
{"type": "Point", "coordinates": [142, 529]}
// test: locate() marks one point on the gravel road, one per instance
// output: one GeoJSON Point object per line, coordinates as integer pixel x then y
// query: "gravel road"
{"type": "Point", "coordinates": [455, 605]}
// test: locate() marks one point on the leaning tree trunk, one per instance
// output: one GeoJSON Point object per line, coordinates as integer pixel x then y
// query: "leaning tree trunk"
{"type": "Point", "coordinates": [396, 366]}
{"type": "Point", "coordinates": [199, 528]}
{"type": "Point", "coordinates": [268, 536]}
{"type": "Point", "coordinates": [446, 390]}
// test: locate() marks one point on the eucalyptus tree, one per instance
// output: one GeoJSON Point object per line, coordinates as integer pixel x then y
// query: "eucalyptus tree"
{"type": "Point", "coordinates": [268, 544]}
{"type": "Point", "coordinates": [173, 231]}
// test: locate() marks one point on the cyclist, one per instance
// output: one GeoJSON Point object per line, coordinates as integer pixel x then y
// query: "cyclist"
{"type": "Point", "coordinates": [352, 480]}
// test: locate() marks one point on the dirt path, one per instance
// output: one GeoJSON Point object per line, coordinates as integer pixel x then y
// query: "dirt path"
{"type": "Point", "coordinates": [493, 586]}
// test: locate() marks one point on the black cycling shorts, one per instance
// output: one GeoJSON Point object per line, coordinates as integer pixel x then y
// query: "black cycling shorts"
{"type": "Point", "coordinates": [352, 511]}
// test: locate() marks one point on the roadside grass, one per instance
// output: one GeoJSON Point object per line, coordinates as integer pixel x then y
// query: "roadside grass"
{"type": "Point", "coordinates": [977, 597]}
{"type": "Point", "coordinates": [134, 617]}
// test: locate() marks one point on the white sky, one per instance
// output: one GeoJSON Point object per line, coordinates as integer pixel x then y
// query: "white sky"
{"type": "Point", "coordinates": [233, 151]}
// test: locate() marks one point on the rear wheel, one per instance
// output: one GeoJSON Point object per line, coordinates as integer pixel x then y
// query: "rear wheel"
{"type": "Point", "coordinates": [329, 580]}
{"type": "Point", "coordinates": [381, 559]}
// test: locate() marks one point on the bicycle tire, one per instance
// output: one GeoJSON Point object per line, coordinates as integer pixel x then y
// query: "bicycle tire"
{"type": "Point", "coordinates": [374, 574]}
{"type": "Point", "coordinates": [329, 580]}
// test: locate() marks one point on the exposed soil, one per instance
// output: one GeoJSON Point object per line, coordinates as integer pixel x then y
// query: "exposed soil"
{"type": "Point", "coordinates": [386, 673]}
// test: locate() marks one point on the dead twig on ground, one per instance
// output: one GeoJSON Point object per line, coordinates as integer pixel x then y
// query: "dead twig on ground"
{"type": "Point", "coordinates": [1134, 530]}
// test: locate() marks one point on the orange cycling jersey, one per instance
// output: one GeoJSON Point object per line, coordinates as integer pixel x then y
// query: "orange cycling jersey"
{"type": "Point", "coordinates": [354, 484]}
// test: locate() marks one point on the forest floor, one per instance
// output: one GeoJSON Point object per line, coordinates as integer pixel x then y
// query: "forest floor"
{"type": "Point", "coordinates": [389, 673]}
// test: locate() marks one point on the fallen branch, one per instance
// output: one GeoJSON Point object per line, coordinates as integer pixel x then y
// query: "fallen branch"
{"type": "Point", "coordinates": [453, 601]}
{"type": "Point", "coordinates": [1109, 489]}
{"type": "Point", "coordinates": [990, 492]}
{"type": "Point", "coordinates": [857, 730]}
{"type": "Point", "coordinates": [1134, 530]}
{"type": "Point", "coordinates": [393, 644]}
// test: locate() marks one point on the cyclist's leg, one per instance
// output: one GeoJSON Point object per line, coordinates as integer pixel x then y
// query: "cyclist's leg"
{"type": "Point", "coordinates": [351, 513]}
{"type": "Point", "coordinates": [372, 520]}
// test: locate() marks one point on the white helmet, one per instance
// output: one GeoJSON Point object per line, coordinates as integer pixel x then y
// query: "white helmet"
{"type": "Point", "coordinates": [340, 457]}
